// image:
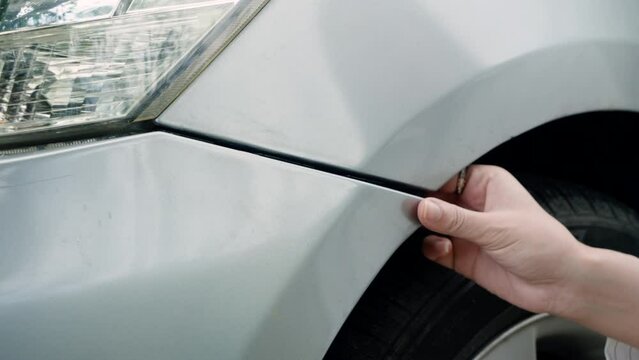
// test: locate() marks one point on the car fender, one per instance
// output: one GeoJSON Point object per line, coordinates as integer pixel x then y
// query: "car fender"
{"type": "Point", "coordinates": [413, 90]}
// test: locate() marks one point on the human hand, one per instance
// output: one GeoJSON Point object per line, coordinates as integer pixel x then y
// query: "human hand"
{"type": "Point", "coordinates": [496, 234]}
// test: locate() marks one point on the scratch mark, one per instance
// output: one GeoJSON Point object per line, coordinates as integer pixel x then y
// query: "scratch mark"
{"type": "Point", "coordinates": [35, 182]}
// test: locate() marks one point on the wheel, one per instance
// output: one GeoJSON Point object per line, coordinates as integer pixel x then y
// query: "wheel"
{"type": "Point", "coordinates": [416, 309]}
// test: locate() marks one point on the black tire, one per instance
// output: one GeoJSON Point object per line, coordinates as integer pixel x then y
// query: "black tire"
{"type": "Point", "coordinates": [415, 309]}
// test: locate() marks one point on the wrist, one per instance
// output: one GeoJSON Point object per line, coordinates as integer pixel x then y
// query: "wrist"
{"type": "Point", "coordinates": [603, 295]}
{"type": "Point", "coordinates": [574, 290]}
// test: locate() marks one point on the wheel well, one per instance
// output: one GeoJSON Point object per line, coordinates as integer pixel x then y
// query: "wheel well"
{"type": "Point", "coordinates": [597, 149]}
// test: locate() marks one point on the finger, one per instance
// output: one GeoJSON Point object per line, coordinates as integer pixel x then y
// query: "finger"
{"type": "Point", "coordinates": [438, 249]}
{"type": "Point", "coordinates": [477, 181]}
{"type": "Point", "coordinates": [446, 218]}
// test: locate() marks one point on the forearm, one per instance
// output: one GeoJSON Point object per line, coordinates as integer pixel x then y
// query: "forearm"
{"type": "Point", "coordinates": [604, 295]}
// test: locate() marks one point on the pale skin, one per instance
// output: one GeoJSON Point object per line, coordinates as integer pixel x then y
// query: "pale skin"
{"type": "Point", "coordinates": [496, 234]}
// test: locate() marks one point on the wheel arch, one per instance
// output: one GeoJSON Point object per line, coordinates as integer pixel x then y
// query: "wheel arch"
{"type": "Point", "coordinates": [588, 131]}
{"type": "Point", "coordinates": [510, 100]}
{"type": "Point", "coordinates": [596, 149]}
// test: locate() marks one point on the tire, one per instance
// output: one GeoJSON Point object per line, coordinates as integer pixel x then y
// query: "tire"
{"type": "Point", "coordinates": [416, 309]}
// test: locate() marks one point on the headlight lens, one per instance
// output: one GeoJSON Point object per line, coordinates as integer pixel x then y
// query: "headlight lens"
{"type": "Point", "coordinates": [16, 15]}
{"type": "Point", "coordinates": [76, 62]}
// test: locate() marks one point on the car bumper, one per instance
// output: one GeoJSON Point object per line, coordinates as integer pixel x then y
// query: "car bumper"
{"type": "Point", "coordinates": [157, 246]}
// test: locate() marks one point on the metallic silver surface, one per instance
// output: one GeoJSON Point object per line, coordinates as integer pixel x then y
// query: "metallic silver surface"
{"type": "Point", "coordinates": [527, 339]}
{"type": "Point", "coordinates": [412, 90]}
{"type": "Point", "coordinates": [159, 247]}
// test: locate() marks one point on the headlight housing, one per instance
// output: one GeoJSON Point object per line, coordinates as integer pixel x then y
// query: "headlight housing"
{"type": "Point", "coordinates": [69, 63]}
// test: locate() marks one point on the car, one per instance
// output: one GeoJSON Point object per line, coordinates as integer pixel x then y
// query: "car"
{"type": "Point", "coordinates": [238, 179]}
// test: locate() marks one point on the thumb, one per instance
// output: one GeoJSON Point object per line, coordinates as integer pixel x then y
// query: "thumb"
{"type": "Point", "coordinates": [449, 219]}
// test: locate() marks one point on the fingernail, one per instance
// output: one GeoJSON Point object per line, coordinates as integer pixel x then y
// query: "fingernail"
{"type": "Point", "coordinates": [447, 247]}
{"type": "Point", "coordinates": [432, 256]}
{"type": "Point", "coordinates": [433, 211]}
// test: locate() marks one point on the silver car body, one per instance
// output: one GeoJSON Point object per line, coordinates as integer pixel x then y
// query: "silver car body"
{"type": "Point", "coordinates": [412, 90]}
{"type": "Point", "coordinates": [159, 246]}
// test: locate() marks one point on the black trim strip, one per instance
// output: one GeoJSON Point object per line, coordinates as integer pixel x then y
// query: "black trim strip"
{"type": "Point", "coordinates": [296, 160]}
{"type": "Point", "coordinates": [96, 133]}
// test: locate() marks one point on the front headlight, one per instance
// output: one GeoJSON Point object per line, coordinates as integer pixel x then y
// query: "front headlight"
{"type": "Point", "coordinates": [66, 63]}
